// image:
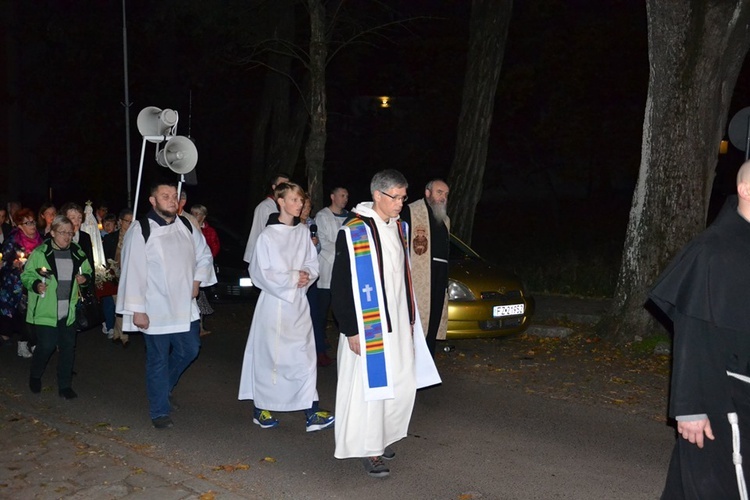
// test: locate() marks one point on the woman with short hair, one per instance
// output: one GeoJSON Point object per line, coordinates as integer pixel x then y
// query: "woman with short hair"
{"type": "Point", "coordinates": [53, 276]}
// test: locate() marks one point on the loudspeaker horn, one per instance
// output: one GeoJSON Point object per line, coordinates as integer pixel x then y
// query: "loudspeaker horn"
{"type": "Point", "coordinates": [153, 121]}
{"type": "Point", "coordinates": [179, 155]}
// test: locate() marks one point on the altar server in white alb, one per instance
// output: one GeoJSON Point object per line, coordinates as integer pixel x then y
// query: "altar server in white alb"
{"type": "Point", "coordinates": [382, 356]}
{"type": "Point", "coordinates": [279, 371]}
{"type": "Point", "coordinates": [164, 263]}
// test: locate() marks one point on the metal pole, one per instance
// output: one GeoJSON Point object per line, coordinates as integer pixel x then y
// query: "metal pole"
{"type": "Point", "coordinates": [127, 105]}
{"type": "Point", "coordinates": [140, 170]}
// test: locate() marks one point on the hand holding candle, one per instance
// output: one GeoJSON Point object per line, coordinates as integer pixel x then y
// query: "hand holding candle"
{"type": "Point", "coordinates": [22, 258]}
{"type": "Point", "coordinates": [43, 272]}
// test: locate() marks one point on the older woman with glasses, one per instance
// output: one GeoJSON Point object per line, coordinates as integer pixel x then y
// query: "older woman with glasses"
{"type": "Point", "coordinates": [53, 276]}
{"type": "Point", "coordinates": [21, 241]}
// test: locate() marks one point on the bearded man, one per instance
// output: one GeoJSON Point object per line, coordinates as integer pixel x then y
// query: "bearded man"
{"type": "Point", "coordinates": [429, 248]}
{"type": "Point", "coordinates": [164, 261]}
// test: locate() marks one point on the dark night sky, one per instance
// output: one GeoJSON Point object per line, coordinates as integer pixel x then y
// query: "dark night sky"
{"type": "Point", "coordinates": [567, 121]}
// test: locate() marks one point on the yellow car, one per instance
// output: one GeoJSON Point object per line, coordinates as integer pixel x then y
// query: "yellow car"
{"type": "Point", "coordinates": [483, 300]}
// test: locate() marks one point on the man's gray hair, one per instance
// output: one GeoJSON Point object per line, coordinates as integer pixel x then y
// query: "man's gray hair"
{"type": "Point", "coordinates": [428, 186]}
{"type": "Point", "coordinates": [387, 179]}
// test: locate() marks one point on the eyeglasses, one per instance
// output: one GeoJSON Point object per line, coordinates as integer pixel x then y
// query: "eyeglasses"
{"type": "Point", "coordinates": [402, 199]}
{"type": "Point", "coordinates": [69, 234]}
{"type": "Point", "coordinates": [29, 223]}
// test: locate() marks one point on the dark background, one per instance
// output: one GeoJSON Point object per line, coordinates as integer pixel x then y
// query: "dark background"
{"type": "Point", "coordinates": [565, 142]}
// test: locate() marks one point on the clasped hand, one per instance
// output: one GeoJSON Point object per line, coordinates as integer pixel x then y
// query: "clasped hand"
{"type": "Point", "coordinates": [304, 279]}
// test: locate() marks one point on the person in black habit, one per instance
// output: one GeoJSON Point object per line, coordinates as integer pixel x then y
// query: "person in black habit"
{"type": "Point", "coordinates": [704, 292]}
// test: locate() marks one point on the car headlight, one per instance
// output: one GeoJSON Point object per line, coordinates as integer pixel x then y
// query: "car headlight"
{"type": "Point", "coordinates": [459, 291]}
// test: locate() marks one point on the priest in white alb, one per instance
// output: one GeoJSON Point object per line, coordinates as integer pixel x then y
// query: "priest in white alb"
{"type": "Point", "coordinates": [382, 355]}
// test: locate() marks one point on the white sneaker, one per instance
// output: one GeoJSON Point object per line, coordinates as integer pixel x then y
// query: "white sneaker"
{"type": "Point", "coordinates": [104, 328]}
{"type": "Point", "coordinates": [110, 333]}
{"type": "Point", "coordinates": [23, 350]}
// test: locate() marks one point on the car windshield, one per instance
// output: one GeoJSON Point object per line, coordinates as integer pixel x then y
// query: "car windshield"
{"type": "Point", "coordinates": [461, 251]}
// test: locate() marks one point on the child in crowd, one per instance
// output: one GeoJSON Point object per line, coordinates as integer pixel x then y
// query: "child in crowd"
{"type": "Point", "coordinates": [279, 371]}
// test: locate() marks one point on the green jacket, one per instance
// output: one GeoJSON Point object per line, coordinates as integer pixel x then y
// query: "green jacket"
{"type": "Point", "coordinates": [43, 310]}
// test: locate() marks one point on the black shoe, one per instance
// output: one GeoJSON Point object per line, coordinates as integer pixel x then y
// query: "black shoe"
{"type": "Point", "coordinates": [163, 422]}
{"type": "Point", "coordinates": [375, 467]}
{"type": "Point", "coordinates": [67, 393]}
{"type": "Point", "coordinates": [35, 384]}
{"type": "Point", "coordinates": [388, 453]}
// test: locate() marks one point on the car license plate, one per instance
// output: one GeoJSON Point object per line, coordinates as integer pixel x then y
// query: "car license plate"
{"type": "Point", "coordinates": [510, 310]}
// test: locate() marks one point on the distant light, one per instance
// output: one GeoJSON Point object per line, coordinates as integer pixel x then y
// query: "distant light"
{"type": "Point", "coordinates": [723, 147]}
{"type": "Point", "coordinates": [385, 101]}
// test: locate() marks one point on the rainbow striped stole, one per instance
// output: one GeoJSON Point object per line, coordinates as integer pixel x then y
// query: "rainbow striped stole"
{"type": "Point", "coordinates": [370, 304]}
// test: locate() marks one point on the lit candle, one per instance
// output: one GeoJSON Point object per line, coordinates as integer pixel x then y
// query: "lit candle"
{"type": "Point", "coordinates": [22, 257]}
{"type": "Point", "coordinates": [44, 278]}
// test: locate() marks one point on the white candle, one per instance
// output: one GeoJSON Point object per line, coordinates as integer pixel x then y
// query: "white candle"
{"type": "Point", "coordinates": [44, 279]}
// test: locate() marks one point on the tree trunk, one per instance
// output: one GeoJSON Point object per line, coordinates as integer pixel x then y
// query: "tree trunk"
{"type": "Point", "coordinates": [696, 50]}
{"type": "Point", "coordinates": [488, 31]}
{"type": "Point", "coordinates": [275, 132]}
{"type": "Point", "coordinates": [316, 141]}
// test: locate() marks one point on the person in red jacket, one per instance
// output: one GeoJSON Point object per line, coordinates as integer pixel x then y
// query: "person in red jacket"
{"type": "Point", "coordinates": [212, 239]}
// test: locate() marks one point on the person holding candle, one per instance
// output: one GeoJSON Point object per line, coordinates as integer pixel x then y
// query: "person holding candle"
{"type": "Point", "coordinates": [53, 275]}
{"type": "Point", "coordinates": [21, 241]}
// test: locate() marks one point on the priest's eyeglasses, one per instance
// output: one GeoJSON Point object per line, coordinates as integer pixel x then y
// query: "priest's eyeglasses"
{"type": "Point", "coordinates": [402, 199]}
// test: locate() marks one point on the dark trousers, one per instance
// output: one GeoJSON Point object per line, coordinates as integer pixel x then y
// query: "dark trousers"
{"type": "Point", "coordinates": [16, 325]}
{"type": "Point", "coordinates": [59, 338]}
{"type": "Point", "coordinates": [318, 319]}
{"type": "Point", "coordinates": [708, 472]}
{"type": "Point", "coordinates": [324, 300]}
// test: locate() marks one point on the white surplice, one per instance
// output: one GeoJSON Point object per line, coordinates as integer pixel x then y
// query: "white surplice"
{"type": "Point", "coordinates": [279, 370]}
{"type": "Point", "coordinates": [157, 276]}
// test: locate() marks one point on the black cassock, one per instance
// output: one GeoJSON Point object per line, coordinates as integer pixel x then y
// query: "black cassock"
{"type": "Point", "coordinates": [705, 293]}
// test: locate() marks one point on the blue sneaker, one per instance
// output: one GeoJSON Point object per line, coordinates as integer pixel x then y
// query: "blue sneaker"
{"type": "Point", "coordinates": [264, 419]}
{"type": "Point", "coordinates": [319, 420]}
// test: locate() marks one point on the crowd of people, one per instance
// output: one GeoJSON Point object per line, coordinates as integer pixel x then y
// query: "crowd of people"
{"type": "Point", "coordinates": [345, 268]}
{"type": "Point", "coordinates": [379, 273]}
{"type": "Point", "coordinates": [50, 259]}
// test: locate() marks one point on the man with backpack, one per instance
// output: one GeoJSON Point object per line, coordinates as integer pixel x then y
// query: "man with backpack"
{"type": "Point", "coordinates": [164, 263]}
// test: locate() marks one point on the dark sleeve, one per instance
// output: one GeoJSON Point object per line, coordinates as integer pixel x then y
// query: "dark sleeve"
{"type": "Point", "coordinates": [84, 241]}
{"type": "Point", "coordinates": [405, 215]}
{"type": "Point", "coordinates": [342, 300]}
{"type": "Point", "coordinates": [699, 380]}
{"type": "Point", "coordinates": [109, 245]}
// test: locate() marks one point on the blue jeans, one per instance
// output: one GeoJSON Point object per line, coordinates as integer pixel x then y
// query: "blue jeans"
{"type": "Point", "coordinates": [108, 310]}
{"type": "Point", "coordinates": [167, 357]}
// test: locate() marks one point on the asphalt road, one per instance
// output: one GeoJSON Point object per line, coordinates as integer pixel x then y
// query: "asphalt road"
{"type": "Point", "coordinates": [466, 440]}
